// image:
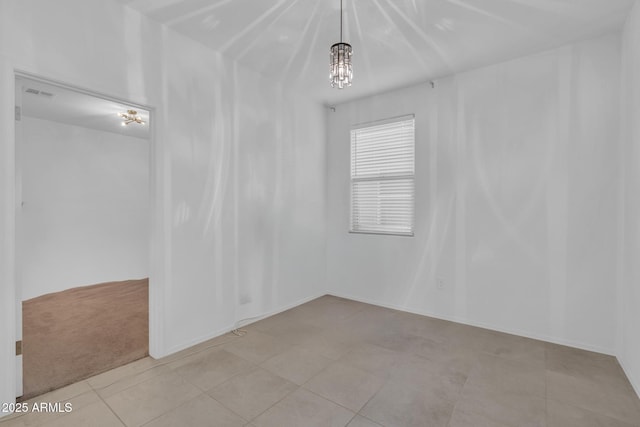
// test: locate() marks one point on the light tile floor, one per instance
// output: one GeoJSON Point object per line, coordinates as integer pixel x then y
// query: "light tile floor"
{"type": "Point", "coordinates": [335, 362]}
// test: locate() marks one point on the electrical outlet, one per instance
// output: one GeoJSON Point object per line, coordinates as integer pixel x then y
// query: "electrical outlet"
{"type": "Point", "coordinates": [440, 283]}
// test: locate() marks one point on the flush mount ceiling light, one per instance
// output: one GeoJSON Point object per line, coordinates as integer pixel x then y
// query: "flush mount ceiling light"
{"type": "Point", "coordinates": [131, 116]}
{"type": "Point", "coordinates": [340, 71]}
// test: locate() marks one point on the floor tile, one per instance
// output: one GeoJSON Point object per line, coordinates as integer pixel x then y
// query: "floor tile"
{"type": "Point", "coordinates": [279, 322]}
{"type": "Point", "coordinates": [588, 365]}
{"type": "Point", "coordinates": [328, 311]}
{"type": "Point", "coordinates": [152, 398]}
{"type": "Point", "coordinates": [373, 359]}
{"type": "Point", "coordinates": [520, 349]}
{"type": "Point", "coordinates": [461, 418]}
{"type": "Point", "coordinates": [249, 394]}
{"type": "Point", "coordinates": [500, 408]}
{"type": "Point", "coordinates": [327, 344]}
{"type": "Point", "coordinates": [107, 378]}
{"type": "Point", "coordinates": [453, 358]}
{"type": "Point", "coordinates": [256, 346]}
{"type": "Point", "coordinates": [95, 415]}
{"type": "Point", "coordinates": [63, 393]}
{"type": "Point", "coordinates": [345, 385]}
{"type": "Point", "coordinates": [211, 367]}
{"type": "Point", "coordinates": [415, 324]}
{"type": "Point", "coordinates": [296, 364]}
{"type": "Point", "coordinates": [420, 373]}
{"type": "Point", "coordinates": [33, 417]}
{"type": "Point", "coordinates": [564, 415]}
{"type": "Point", "coordinates": [131, 380]}
{"type": "Point", "coordinates": [401, 406]}
{"type": "Point", "coordinates": [593, 396]}
{"type": "Point", "coordinates": [404, 342]}
{"type": "Point", "coordinates": [360, 421]}
{"type": "Point", "coordinates": [368, 323]}
{"type": "Point", "coordinates": [14, 421]}
{"type": "Point", "coordinates": [303, 408]}
{"type": "Point", "coordinates": [508, 376]}
{"type": "Point", "coordinates": [209, 344]}
{"type": "Point", "coordinates": [470, 335]}
{"type": "Point", "coordinates": [293, 333]}
{"type": "Point", "coordinates": [202, 411]}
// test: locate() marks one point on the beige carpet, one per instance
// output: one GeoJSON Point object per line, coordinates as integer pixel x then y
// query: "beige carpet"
{"type": "Point", "coordinates": [71, 335]}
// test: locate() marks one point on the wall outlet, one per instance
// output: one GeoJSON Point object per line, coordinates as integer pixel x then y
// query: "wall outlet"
{"type": "Point", "coordinates": [440, 283]}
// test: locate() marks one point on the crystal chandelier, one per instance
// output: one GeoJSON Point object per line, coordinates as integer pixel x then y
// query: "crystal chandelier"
{"type": "Point", "coordinates": [340, 71]}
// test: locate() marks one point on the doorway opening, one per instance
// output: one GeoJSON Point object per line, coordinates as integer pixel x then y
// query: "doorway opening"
{"type": "Point", "coordinates": [82, 233]}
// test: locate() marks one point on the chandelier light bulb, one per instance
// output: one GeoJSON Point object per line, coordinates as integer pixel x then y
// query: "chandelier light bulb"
{"type": "Point", "coordinates": [131, 116]}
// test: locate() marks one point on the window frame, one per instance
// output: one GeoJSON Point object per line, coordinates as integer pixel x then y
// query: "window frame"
{"type": "Point", "coordinates": [385, 178]}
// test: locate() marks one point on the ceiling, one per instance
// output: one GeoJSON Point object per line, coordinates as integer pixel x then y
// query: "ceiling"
{"type": "Point", "coordinates": [64, 105]}
{"type": "Point", "coordinates": [396, 43]}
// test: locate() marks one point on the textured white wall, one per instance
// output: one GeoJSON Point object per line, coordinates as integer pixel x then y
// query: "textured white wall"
{"type": "Point", "coordinates": [235, 233]}
{"type": "Point", "coordinates": [85, 217]}
{"type": "Point", "coordinates": [515, 198]}
{"type": "Point", "coordinates": [629, 286]}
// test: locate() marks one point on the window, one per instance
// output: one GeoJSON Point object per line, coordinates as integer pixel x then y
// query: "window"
{"type": "Point", "coordinates": [382, 177]}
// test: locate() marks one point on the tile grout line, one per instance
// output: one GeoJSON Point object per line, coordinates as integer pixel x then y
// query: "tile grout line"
{"type": "Point", "coordinates": [466, 380]}
{"type": "Point", "coordinates": [158, 365]}
{"type": "Point", "coordinates": [274, 404]}
{"type": "Point", "coordinates": [111, 409]}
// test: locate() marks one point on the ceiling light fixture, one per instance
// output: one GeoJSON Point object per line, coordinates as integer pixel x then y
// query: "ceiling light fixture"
{"type": "Point", "coordinates": [131, 116]}
{"type": "Point", "coordinates": [340, 73]}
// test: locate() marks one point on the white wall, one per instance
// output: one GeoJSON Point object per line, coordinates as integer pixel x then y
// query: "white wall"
{"type": "Point", "coordinates": [84, 217]}
{"type": "Point", "coordinates": [229, 223]}
{"type": "Point", "coordinates": [629, 290]}
{"type": "Point", "coordinates": [515, 199]}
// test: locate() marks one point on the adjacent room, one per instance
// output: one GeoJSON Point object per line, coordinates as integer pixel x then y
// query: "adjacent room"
{"type": "Point", "coordinates": [329, 213]}
{"type": "Point", "coordinates": [82, 234]}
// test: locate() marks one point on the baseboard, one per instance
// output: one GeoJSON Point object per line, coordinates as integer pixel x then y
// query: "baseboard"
{"type": "Point", "coordinates": [464, 321]}
{"type": "Point", "coordinates": [245, 322]}
{"type": "Point", "coordinates": [635, 382]}
{"type": "Point", "coordinates": [236, 325]}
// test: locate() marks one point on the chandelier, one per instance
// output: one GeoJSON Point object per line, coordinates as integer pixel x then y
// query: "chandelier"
{"type": "Point", "coordinates": [340, 71]}
{"type": "Point", "coordinates": [131, 116]}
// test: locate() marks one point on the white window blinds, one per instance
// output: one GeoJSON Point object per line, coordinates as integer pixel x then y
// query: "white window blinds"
{"type": "Point", "coordinates": [382, 177]}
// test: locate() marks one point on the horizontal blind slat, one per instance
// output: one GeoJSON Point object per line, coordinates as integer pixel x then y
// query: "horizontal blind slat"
{"type": "Point", "coordinates": [382, 169]}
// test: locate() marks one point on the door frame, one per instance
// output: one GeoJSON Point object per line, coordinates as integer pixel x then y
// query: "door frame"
{"type": "Point", "coordinates": [7, 234]}
{"type": "Point", "coordinates": [10, 300]}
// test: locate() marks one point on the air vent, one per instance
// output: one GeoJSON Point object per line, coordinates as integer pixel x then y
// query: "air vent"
{"type": "Point", "coordinates": [38, 92]}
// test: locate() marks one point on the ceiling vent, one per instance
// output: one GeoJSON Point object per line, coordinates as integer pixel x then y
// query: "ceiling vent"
{"type": "Point", "coordinates": [38, 92]}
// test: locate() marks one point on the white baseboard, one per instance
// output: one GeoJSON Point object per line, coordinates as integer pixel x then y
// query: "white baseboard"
{"type": "Point", "coordinates": [236, 325]}
{"type": "Point", "coordinates": [464, 321]}
{"type": "Point", "coordinates": [245, 322]}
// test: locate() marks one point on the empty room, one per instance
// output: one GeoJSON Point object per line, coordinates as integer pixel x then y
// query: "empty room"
{"type": "Point", "coordinates": [363, 213]}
